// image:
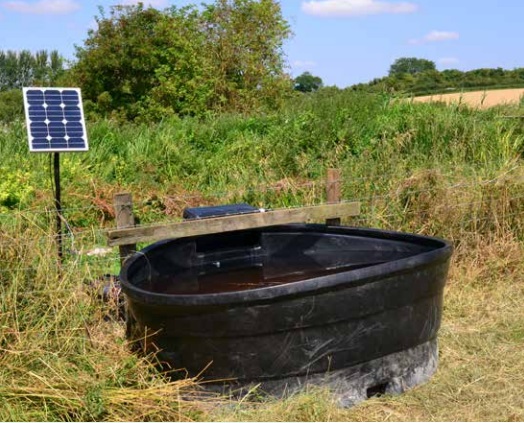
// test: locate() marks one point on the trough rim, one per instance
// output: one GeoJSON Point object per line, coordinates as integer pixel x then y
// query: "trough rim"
{"type": "Point", "coordinates": [347, 279]}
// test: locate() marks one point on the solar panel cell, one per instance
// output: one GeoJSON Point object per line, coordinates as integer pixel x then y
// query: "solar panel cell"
{"type": "Point", "coordinates": [74, 129]}
{"type": "Point", "coordinates": [76, 142]}
{"type": "Point", "coordinates": [35, 96]}
{"type": "Point", "coordinates": [70, 98]}
{"type": "Point", "coordinates": [72, 113]}
{"type": "Point", "coordinates": [55, 113]}
{"type": "Point", "coordinates": [52, 97]}
{"type": "Point", "coordinates": [37, 113]}
{"type": "Point", "coordinates": [55, 120]}
{"type": "Point", "coordinates": [40, 144]}
{"type": "Point", "coordinates": [39, 129]}
{"type": "Point", "coordinates": [57, 130]}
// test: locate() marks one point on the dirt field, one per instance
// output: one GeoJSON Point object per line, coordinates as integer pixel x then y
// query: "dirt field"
{"type": "Point", "coordinates": [482, 99]}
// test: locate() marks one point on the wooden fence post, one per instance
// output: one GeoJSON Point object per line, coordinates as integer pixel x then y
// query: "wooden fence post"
{"type": "Point", "coordinates": [333, 192]}
{"type": "Point", "coordinates": [123, 203]}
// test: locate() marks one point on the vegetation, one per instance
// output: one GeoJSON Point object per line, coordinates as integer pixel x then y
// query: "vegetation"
{"type": "Point", "coordinates": [306, 82]}
{"type": "Point", "coordinates": [427, 168]}
{"type": "Point", "coordinates": [185, 61]}
{"type": "Point", "coordinates": [146, 65]}
{"type": "Point", "coordinates": [411, 66]}
{"type": "Point", "coordinates": [22, 69]}
{"type": "Point", "coordinates": [11, 105]}
{"type": "Point", "coordinates": [414, 76]}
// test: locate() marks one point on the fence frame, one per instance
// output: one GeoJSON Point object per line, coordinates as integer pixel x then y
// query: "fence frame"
{"type": "Point", "coordinates": [127, 235]}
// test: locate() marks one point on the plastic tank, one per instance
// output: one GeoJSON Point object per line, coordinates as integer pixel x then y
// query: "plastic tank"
{"type": "Point", "coordinates": [283, 305]}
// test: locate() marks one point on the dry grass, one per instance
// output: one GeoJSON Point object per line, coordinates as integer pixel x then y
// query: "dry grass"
{"type": "Point", "coordinates": [61, 358]}
{"type": "Point", "coordinates": [478, 99]}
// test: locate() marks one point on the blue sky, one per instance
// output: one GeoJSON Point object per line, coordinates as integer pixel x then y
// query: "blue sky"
{"type": "Point", "coordinates": [342, 41]}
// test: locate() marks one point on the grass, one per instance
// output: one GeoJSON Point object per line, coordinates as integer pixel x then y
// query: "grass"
{"type": "Point", "coordinates": [425, 168]}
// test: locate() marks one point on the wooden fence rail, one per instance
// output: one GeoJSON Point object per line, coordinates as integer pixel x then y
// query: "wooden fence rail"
{"type": "Point", "coordinates": [126, 235]}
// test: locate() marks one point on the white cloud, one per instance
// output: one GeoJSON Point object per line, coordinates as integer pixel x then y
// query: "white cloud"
{"type": "Point", "coordinates": [43, 7]}
{"type": "Point", "coordinates": [303, 64]}
{"type": "Point", "coordinates": [435, 36]}
{"type": "Point", "coordinates": [441, 36]}
{"type": "Point", "coordinates": [351, 8]}
{"type": "Point", "coordinates": [448, 61]}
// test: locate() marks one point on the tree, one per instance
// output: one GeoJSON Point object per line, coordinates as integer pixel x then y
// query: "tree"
{"type": "Point", "coordinates": [48, 67]}
{"type": "Point", "coordinates": [245, 40]}
{"type": "Point", "coordinates": [411, 65]}
{"type": "Point", "coordinates": [148, 63]}
{"type": "Point", "coordinates": [306, 82]}
{"type": "Point", "coordinates": [130, 54]}
{"type": "Point", "coordinates": [22, 69]}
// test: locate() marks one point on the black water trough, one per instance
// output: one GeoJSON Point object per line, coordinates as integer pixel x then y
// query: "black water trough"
{"type": "Point", "coordinates": [355, 309]}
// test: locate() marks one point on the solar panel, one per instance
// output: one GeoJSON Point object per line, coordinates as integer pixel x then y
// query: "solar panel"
{"type": "Point", "coordinates": [55, 119]}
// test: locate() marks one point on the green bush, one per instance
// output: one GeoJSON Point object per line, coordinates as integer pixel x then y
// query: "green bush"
{"type": "Point", "coordinates": [11, 105]}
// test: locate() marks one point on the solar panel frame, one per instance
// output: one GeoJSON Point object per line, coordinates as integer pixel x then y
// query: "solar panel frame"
{"type": "Point", "coordinates": [55, 119]}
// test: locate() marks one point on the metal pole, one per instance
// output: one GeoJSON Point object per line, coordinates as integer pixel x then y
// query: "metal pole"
{"type": "Point", "coordinates": [58, 204]}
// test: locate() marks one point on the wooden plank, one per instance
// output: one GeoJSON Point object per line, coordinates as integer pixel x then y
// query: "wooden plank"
{"type": "Point", "coordinates": [333, 192]}
{"type": "Point", "coordinates": [231, 223]}
{"type": "Point", "coordinates": [123, 203]}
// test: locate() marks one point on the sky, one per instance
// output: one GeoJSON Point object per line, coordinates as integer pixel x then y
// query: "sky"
{"type": "Point", "coordinates": [342, 41]}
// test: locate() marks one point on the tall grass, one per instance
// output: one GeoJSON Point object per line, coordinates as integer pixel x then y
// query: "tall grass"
{"type": "Point", "coordinates": [371, 138]}
{"type": "Point", "coordinates": [427, 168]}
